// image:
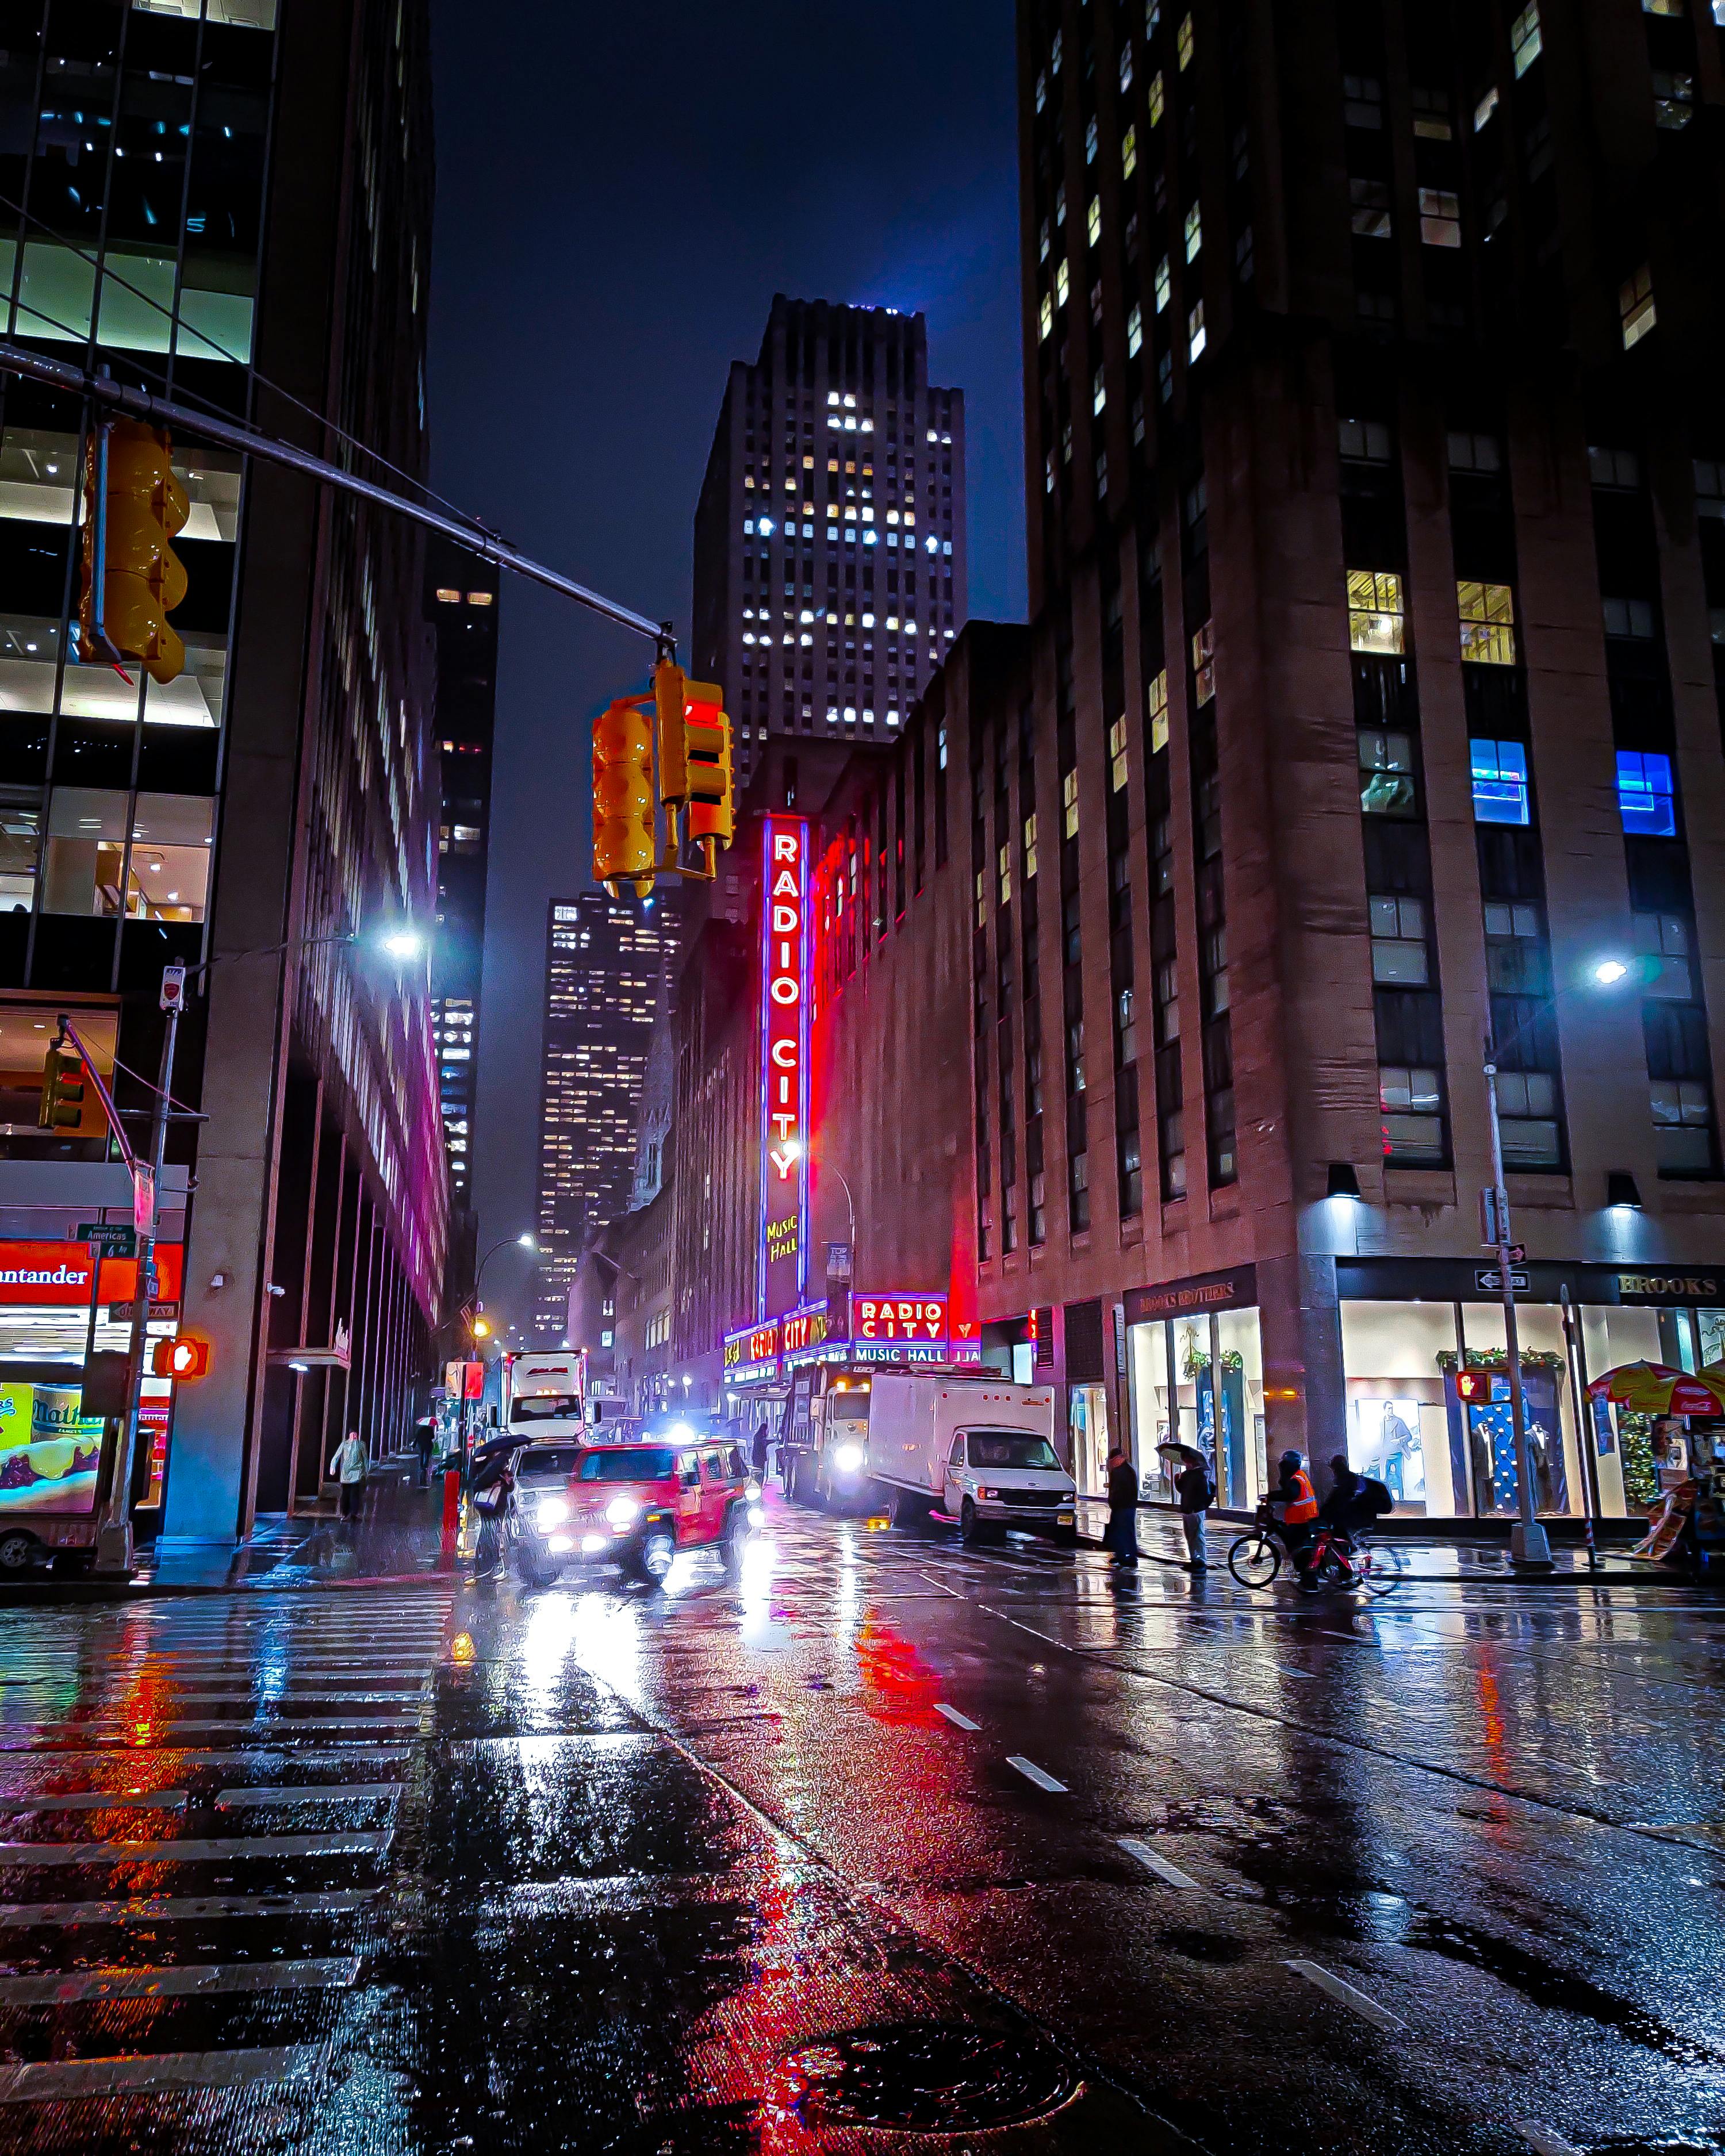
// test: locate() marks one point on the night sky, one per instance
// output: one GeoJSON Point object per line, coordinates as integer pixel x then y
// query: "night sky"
{"type": "Point", "coordinates": [620, 193]}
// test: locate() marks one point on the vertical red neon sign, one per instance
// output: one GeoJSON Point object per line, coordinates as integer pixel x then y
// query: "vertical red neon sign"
{"type": "Point", "coordinates": [783, 1264]}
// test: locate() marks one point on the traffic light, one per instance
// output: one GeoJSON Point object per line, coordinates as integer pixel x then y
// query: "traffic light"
{"type": "Point", "coordinates": [61, 1107]}
{"type": "Point", "coordinates": [180, 1358]}
{"type": "Point", "coordinates": [1473, 1385]}
{"type": "Point", "coordinates": [624, 847]}
{"type": "Point", "coordinates": [669, 683]}
{"type": "Point", "coordinates": [706, 734]}
{"type": "Point", "coordinates": [132, 577]}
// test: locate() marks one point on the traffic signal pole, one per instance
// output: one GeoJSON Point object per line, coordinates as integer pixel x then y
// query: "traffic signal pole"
{"type": "Point", "coordinates": [119, 397]}
{"type": "Point", "coordinates": [114, 1544]}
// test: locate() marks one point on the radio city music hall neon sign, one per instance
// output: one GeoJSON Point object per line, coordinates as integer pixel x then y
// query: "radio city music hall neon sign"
{"type": "Point", "coordinates": [782, 1262]}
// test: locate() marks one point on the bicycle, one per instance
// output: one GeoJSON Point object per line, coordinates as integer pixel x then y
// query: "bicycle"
{"type": "Point", "coordinates": [1336, 1559]}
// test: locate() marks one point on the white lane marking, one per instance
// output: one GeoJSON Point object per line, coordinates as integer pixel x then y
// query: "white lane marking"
{"type": "Point", "coordinates": [313, 1793]}
{"type": "Point", "coordinates": [941, 1584]}
{"type": "Point", "coordinates": [113, 1735]}
{"type": "Point", "coordinates": [1543, 2139]}
{"type": "Point", "coordinates": [190, 1980]}
{"type": "Point", "coordinates": [180, 1908]}
{"type": "Point", "coordinates": [57, 2080]}
{"type": "Point", "coordinates": [96, 1800]}
{"type": "Point", "coordinates": [957, 1720]}
{"type": "Point", "coordinates": [1032, 1772]}
{"type": "Point", "coordinates": [1159, 1865]}
{"type": "Point", "coordinates": [38, 1853]}
{"type": "Point", "coordinates": [1340, 1990]}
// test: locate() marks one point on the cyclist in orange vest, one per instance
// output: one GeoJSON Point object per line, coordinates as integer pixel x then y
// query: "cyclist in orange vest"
{"type": "Point", "coordinates": [1298, 1502]}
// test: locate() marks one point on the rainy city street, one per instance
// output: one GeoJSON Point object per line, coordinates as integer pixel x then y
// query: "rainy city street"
{"type": "Point", "coordinates": [880, 1839]}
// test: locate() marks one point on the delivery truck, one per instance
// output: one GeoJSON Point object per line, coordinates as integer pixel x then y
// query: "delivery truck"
{"type": "Point", "coordinates": [544, 1395]}
{"type": "Point", "coordinates": [970, 1448]}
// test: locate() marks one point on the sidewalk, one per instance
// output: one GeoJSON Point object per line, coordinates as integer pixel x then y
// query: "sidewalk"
{"type": "Point", "coordinates": [396, 1538]}
{"type": "Point", "coordinates": [1484, 1560]}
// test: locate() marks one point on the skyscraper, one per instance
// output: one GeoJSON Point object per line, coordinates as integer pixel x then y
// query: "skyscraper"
{"type": "Point", "coordinates": [215, 209]}
{"type": "Point", "coordinates": [606, 965]}
{"type": "Point", "coordinates": [461, 604]}
{"type": "Point", "coordinates": [1375, 480]}
{"type": "Point", "coordinates": [829, 549]}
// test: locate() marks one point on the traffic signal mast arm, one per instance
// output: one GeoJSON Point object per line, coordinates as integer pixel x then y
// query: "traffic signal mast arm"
{"type": "Point", "coordinates": [70, 1032]}
{"type": "Point", "coordinates": [158, 412]}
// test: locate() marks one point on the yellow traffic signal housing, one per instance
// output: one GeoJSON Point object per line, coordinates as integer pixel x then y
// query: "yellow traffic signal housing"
{"type": "Point", "coordinates": [670, 685]}
{"type": "Point", "coordinates": [61, 1107]}
{"type": "Point", "coordinates": [623, 848]}
{"type": "Point", "coordinates": [706, 734]}
{"type": "Point", "coordinates": [132, 579]}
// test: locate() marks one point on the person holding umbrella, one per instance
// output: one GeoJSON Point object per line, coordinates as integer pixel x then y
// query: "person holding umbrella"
{"type": "Point", "coordinates": [1196, 1494]}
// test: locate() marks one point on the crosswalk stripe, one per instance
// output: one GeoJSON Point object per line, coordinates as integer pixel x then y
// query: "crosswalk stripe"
{"type": "Point", "coordinates": [30, 1854]}
{"type": "Point", "coordinates": [57, 2080]}
{"type": "Point", "coordinates": [193, 1980]}
{"type": "Point", "coordinates": [313, 1793]}
{"type": "Point", "coordinates": [180, 1908]}
{"type": "Point", "coordinates": [108, 1735]}
{"type": "Point", "coordinates": [92, 1800]}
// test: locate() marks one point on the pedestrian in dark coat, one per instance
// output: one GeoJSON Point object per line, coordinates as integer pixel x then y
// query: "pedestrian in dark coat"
{"type": "Point", "coordinates": [1196, 1493]}
{"type": "Point", "coordinates": [1122, 1537]}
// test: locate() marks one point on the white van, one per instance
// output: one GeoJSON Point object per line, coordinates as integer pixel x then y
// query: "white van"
{"type": "Point", "coordinates": [977, 1449]}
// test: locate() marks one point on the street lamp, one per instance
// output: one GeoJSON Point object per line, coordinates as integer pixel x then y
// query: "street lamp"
{"type": "Point", "coordinates": [793, 1149]}
{"type": "Point", "coordinates": [1528, 1543]}
{"type": "Point", "coordinates": [402, 944]}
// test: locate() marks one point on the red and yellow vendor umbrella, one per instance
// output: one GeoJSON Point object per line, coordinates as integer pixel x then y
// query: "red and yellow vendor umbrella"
{"type": "Point", "coordinates": [1656, 1388]}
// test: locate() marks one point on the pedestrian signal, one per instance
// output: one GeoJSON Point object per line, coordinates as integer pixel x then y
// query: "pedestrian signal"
{"type": "Point", "coordinates": [180, 1358]}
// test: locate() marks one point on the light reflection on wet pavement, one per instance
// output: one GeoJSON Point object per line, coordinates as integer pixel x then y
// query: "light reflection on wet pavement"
{"type": "Point", "coordinates": [880, 1845]}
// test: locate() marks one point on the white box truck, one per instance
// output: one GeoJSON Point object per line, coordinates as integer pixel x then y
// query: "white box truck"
{"type": "Point", "coordinates": [544, 1396]}
{"type": "Point", "coordinates": [977, 1449]}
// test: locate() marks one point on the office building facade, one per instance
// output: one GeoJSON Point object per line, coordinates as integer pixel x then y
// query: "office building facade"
{"type": "Point", "coordinates": [461, 605]}
{"type": "Point", "coordinates": [829, 537]}
{"type": "Point", "coordinates": [218, 211]}
{"type": "Point", "coordinates": [607, 962]}
{"type": "Point", "coordinates": [1374, 486]}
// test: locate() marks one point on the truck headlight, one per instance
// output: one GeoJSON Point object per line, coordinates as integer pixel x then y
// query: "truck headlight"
{"type": "Point", "coordinates": [848, 1459]}
{"type": "Point", "coordinates": [551, 1513]}
{"type": "Point", "coordinates": [623, 1511]}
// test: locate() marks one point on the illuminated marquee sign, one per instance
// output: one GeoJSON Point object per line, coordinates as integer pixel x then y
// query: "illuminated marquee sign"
{"type": "Point", "coordinates": [918, 1320]}
{"type": "Point", "coordinates": [753, 1353]}
{"type": "Point", "coordinates": [805, 1328]}
{"type": "Point", "coordinates": [783, 1260]}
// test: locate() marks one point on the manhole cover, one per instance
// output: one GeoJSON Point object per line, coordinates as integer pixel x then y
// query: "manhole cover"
{"type": "Point", "coordinates": [922, 2076]}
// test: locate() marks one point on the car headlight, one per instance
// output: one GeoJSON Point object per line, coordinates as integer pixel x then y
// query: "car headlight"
{"type": "Point", "coordinates": [551, 1513]}
{"type": "Point", "coordinates": [623, 1511]}
{"type": "Point", "coordinates": [848, 1459]}
{"type": "Point", "coordinates": [987, 1496]}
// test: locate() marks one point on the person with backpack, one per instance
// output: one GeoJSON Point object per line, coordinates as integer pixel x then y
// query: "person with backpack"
{"type": "Point", "coordinates": [1294, 1501]}
{"type": "Point", "coordinates": [491, 1486]}
{"type": "Point", "coordinates": [1197, 1493]}
{"type": "Point", "coordinates": [1355, 1501]}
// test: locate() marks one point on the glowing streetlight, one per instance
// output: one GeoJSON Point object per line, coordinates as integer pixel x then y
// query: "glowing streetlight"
{"type": "Point", "coordinates": [1609, 971]}
{"type": "Point", "coordinates": [402, 944]}
{"type": "Point", "coordinates": [527, 1242]}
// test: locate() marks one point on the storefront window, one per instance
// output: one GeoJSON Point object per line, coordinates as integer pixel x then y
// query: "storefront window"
{"type": "Point", "coordinates": [1217, 1383]}
{"type": "Point", "coordinates": [1396, 1424]}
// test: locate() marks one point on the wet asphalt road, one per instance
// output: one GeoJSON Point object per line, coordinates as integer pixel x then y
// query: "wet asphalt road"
{"type": "Point", "coordinates": [1135, 1865]}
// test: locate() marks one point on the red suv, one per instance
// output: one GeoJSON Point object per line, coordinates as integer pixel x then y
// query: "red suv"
{"type": "Point", "coordinates": [636, 1505]}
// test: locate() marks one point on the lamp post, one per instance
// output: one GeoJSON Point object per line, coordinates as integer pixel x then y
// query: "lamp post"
{"type": "Point", "coordinates": [796, 1147]}
{"type": "Point", "coordinates": [1529, 1546]}
{"type": "Point", "coordinates": [113, 1537]}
